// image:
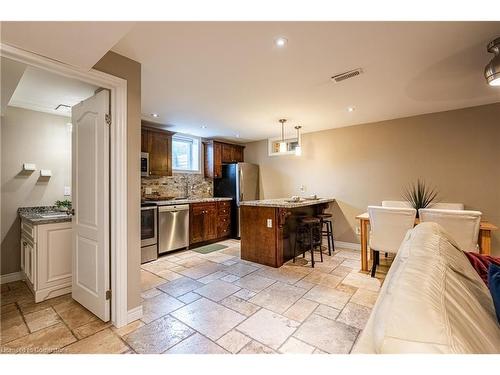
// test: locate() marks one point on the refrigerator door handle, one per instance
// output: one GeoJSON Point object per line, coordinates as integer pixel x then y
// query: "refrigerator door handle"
{"type": "Point", "coordinates": [240, 178]}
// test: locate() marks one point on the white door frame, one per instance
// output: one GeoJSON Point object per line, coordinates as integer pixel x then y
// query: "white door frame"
{"type": "Point", "coordinates": [118, 165]}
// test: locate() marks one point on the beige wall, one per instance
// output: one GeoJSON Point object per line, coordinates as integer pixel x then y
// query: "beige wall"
{"type": "Point", "coordinates": [130, 70]}
{"type": "Point", "coordinates": [457, 151]}
{"type": "Point", "coordinates": [30, 137]}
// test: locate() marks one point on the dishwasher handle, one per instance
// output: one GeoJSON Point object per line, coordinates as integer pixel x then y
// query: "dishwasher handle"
{"type": "Point", "coordinates": [174, 208]}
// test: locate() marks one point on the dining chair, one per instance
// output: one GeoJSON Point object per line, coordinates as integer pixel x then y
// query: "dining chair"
{"type": "Point", "coordinates": [462, 225]}
{"type": "Point", "coordinates": [398, 204]}
{"type": "Point", "coordinates": [389, 226]}
{"type": "Point", "coordinates": [447, 206]}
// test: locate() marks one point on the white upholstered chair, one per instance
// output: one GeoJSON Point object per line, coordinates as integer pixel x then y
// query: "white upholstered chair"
{"type": "Point", "coordinates": [388, 229]}
{"type": "Point", "coordinates": [447, 206]}
{"type": "Point", "coordinates": [462, 225]}
{"type": "Point", "coordinates": [398, 204]}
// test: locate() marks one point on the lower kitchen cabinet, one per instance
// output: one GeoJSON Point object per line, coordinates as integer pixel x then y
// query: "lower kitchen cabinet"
{"type": "Point", "coordinates": [46, 254]}
{"type": "Point", "coordinates": [209, 221]}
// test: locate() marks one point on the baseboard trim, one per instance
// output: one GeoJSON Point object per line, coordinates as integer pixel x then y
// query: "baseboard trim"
{"type": "Point", "coordinates": [134, 314]}
{"type": "Point", "coordinates": [10, 277]}
{"type": "Point", "coordinates": [348, 245]}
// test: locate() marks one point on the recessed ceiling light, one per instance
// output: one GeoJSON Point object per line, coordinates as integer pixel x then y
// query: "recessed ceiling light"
{"type": "Point", "coordinates": [237, 135]}
{"type": "Point", "coordinates": [280, 42]}
{"type": "Point", "coordinates": [350, 109]}
{"type": "Point", "coordinates": [203, 126]}
{"type": "Point", "coordinates": [155, 115]}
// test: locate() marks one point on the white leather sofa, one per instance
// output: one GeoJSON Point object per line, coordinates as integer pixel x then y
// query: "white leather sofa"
{"type": "Point", "coordinates": [432, 301]}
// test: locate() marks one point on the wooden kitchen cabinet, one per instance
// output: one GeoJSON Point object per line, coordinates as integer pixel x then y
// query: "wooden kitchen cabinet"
{"type": "Point", "coordinates": [232, 153]}
{"type": "Point", "coordinates": [209, 221]}
{"type": "Point", "coordinates": [46, 255]}
{"type": "Point", "coordinates": [203, 222]}
{"type": "Point", "coordinates": [218, 153]}
{"type": "Point", "coordinates": [212, 159]}
{"type": "Point", "coordinates": [158, 143]}
{"type": "Point", "coordinates": [223, 219]}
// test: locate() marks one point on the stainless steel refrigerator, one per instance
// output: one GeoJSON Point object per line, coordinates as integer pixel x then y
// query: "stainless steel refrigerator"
{"type": "Point", "coordinates": [239, 181]}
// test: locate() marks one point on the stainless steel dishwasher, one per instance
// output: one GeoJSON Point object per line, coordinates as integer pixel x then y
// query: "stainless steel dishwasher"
{"type": "Point", "coordinates": [173, 227]}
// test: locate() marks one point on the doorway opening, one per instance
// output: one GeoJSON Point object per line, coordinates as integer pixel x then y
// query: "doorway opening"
{"type": "Point", "coordinates": [63, 147]}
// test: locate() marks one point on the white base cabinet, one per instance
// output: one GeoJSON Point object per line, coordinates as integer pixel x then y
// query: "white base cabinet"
{"type": "Point", "coordinates": [46, 258]}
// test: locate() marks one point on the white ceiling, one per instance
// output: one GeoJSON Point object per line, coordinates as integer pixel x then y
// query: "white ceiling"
{"type": "Point", "coordinates": [230, 77]}
{"type": "Point", "coordinates": [80, 44]}
{"type": "Point", "coordinates": [40, 90]}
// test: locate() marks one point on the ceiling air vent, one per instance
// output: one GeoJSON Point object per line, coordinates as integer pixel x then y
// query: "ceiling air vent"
{"type": "Point", "coordinates": [346, 75]}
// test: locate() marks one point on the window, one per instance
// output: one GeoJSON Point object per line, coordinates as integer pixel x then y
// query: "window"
{"type": "Point", "coordinates": [185, 153]}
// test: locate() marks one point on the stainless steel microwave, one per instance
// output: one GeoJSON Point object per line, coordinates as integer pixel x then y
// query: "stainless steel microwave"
{"type": "Point", "coordinates": [144, 164]}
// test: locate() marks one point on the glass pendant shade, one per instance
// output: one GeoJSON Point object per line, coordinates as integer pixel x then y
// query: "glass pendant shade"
{"type": "Point", "coordinates": [282, 146]}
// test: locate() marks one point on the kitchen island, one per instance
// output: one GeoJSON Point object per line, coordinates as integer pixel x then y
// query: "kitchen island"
{"type": "Point", "coordinates": [268, 227]}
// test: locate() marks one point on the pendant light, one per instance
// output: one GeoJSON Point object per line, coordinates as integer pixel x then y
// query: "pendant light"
{"type": "Point", "coordinates": [492, 70]}
{"type": "Point", "coordinates": [298, 148]}
{"type": "Point", "coordinates": [282, 143]}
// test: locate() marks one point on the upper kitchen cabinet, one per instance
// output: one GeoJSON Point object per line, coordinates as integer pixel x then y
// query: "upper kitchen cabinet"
{"type": "Point", "coordinates": [158, 143]}
{"type": "Point", "coordinates": [232, 153]}
{"type": "Point", "coordinates": [216, 153]}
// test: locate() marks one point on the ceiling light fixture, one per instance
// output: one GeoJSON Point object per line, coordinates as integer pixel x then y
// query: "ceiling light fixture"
{"type": "Point", "coordinates": [155, 115]}
{"type": "Point", "coordinates": [282, 143]}
{"type": "Point", "coordinates": [350, 109]}
{"type": "Point", "coordinates": [298, 148]}
{"type": "Point", "coordinates": [492, 70]}
{"type": "Point", "coordinates": [280, 42]}
{"type": "Point", "coordinates": [237, 135]}
{"type": "Point", "coordinates": [203, 126]}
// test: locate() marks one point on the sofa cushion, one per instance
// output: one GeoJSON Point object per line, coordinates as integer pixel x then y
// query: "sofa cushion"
{"type": "Point", "coordinates": [494, 283]}
{"type": "Point", "coordinates": [432, 301]}
{"type": "Point", "coordinates": [481, 263]}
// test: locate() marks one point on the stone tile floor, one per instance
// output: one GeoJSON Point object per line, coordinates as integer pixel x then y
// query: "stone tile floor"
{"type": "Point", "coordinates": [208, 303]}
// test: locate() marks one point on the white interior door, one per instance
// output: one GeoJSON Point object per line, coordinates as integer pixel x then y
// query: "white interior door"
{"type": "Point", "coordinates": [90, 179]}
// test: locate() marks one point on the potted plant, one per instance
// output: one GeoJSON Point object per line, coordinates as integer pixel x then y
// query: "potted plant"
{"type": "Point", "coordinates": [419, 194]}
{"type": "Point", "coordinates": [64, 205]}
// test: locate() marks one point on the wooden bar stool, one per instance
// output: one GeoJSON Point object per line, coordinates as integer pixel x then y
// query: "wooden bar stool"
{"type": "Point", "coordinates": [308, 237]}
{"type": "Point", "coordinates": [327, 231]}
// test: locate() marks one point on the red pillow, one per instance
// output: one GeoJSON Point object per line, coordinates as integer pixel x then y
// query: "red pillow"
{"type": "Point", "coordinates": [481, 263]}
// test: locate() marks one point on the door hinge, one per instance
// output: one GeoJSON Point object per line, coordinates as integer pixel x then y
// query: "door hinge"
{"type": "Point", "coordinates": [108, 119]}
{"type": "Point", "coordinates": [108, 294]}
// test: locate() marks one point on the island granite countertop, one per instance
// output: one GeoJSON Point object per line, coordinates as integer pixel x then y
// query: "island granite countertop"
{"type": "Point", "coordinates": [285, 203]}
{"type": "Point", "coordinates": [43, 215]}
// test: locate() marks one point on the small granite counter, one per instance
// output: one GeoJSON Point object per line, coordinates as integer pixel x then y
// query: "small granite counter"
{"type": "Point", "coordinates": [43, 215]}
{"type": "Point", "coordinates": [268, 227]}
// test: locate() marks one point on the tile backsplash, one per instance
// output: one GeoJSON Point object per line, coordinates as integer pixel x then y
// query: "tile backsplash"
{"type": "Point", "coordinates": [175, 186]}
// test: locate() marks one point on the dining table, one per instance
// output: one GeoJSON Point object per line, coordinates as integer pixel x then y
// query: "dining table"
{"type": "Point", "coordinates": [484, 240]}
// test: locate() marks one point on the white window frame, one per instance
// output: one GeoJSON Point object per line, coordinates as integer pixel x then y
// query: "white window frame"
{"type": "Point", "coordinates": [194, 138]}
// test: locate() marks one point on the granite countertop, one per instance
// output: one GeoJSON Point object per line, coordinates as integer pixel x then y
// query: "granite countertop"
{"type": "Point", "coordinates": [35, 215]}
{"type": "Point", "coordinates": [172, 202]}
{"type": "Point", "coordinates": [282, 202]}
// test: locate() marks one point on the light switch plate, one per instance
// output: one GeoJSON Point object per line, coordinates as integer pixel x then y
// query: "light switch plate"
{"type": "Point", "coordinates": [269, 223]}
{"type": "Point", "coordinates": [67, 191]}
